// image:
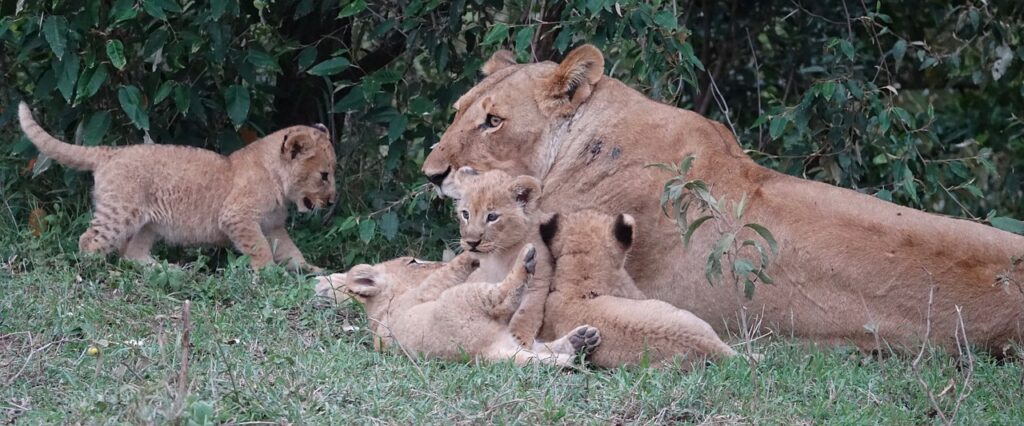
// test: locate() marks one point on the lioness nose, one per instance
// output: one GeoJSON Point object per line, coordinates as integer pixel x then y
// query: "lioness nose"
{"type": "Point", "coordinates": [438, 179]}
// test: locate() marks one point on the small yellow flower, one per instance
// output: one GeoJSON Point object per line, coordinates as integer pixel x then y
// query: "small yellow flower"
{"type": "Point", "coordinates": [93, 351]}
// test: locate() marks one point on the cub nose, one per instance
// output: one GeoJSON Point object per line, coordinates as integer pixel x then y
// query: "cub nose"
{"type": "Point", "coordinates": [438, 178]}
{"type": "Point", "coordinates": [473, 244]}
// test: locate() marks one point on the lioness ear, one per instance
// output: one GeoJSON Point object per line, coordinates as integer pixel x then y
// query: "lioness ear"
{"type": "Point", "coordinates": [573, 81]}
{"type": "Point", "coordinates": [525, 190]}
{"type": "Point", "coordinates": [623, 230]}
{"type": "Point", "coordinates": [499, 60]}
{"type": "Point", "coordinates": [293, 146]}
{"type": "Point", "coordinates": [549, 229]}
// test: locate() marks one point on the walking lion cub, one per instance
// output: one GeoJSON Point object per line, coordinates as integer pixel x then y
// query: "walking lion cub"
{"type": "Point", "coordinates": [190, 196]}
{"type": "Point", "coordinates": [429, 309]}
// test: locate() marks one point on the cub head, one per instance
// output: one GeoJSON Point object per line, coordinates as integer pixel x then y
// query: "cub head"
{"type": "Point", "coordinates": [590, 237]}
{"type": "Point", "coordinates": [376, 285]}
{"type": "Point", "coordinates": [495, 210]}
{"type": "Point", "coordinates": [308, 162]}
{"type": "Point", "coordinates": [503, 121]}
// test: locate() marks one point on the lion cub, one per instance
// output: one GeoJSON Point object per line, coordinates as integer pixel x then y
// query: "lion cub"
{"type": "Point", "coordinates": [190, 196]}
{"type": "Point", "coordinates": [589, 249]}
{"type": "Point", "coordinates": [429, 309]}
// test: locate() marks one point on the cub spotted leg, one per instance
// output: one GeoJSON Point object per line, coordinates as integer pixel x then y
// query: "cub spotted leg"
{"type": "Point", "coordinates": [526, 322]}
{"type": "Point", "coordinates": [247, 237]}
{"type": "Point", "coordinates": [285, 250]}
{"type": "Point", "coordinates": [111, 227]}
{"type": "Point", "coordinates": [583, 339]}
{"type": "Point", "coordinates": [137, 248]}
{"type": "Point", "coordinates": [450, 275]}
{"type": "Point", "coordinates": [503, 299]}
{"type": "Point", "coordinates": [562, 352]}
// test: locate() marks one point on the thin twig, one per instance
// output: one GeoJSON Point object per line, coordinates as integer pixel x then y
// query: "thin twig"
{"type": "Point", "coordinates": [916, 365]}
{"type": "Point", "coordinates": [186, 329]}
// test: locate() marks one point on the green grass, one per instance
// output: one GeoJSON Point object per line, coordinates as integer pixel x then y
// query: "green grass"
{"type": "Point", "coordinates": [264, 350]}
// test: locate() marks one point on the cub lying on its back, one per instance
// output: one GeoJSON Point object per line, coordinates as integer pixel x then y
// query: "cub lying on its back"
{"type": "Point", "coordinates": [590, 249]}
{"type": "Point", "coordinates": [442, 317]}
{"type": "Point", "coordinates": [190, 196]}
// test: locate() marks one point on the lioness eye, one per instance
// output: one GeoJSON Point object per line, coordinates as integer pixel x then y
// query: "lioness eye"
{"type": "Point", "coordinates": [323, 176]}
{"type": "Point", "coordinates": [492, 121]}
{"type": "Point", "coordinates": [491, 217]}
{"type": "Point", "coordinates": [465, 214]}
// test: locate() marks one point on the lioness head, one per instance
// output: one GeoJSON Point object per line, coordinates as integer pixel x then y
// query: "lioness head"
{"type": "Point", "coordinates": [308, 166]}
{"type": "Point", "coordinates": [590, 236]}
{"type": "Point", "coordinates": [502, 122]}
{"type": "Point", "coordinates": [494, 209]}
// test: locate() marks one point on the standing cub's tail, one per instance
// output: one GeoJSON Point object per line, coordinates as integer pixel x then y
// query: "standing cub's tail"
{"type": "Point", "coordinates": [74, 156]}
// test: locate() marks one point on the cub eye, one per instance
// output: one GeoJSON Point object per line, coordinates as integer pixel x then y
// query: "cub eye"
{"type": "Point", "coordinates": [323, 176]}
{"type": "Point", "coordinates": [492, 121]}
{"type": "Point", "coordinates": [465, 214]}
{"type": "Point", "coordinates": [491, 217]}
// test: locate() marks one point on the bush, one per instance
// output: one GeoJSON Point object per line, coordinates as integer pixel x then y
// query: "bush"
{"type": "Point", "coordinates": [915, 103]}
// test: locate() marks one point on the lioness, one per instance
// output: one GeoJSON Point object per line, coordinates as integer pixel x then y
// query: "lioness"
{"type": "Point", "coordinates": [851, 266]}
{"type": "Point", "coordinates": [589, 249]}
{"type": "Point", "coordinates": [429, 309]}
{"type": "Point", "coordinates": [190, 196]}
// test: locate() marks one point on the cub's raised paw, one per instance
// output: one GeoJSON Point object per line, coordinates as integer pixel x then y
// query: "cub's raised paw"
{"type": "Point", "coordinates": [530, 258]}
{"type": "Point", "coordinates": [585, 339]}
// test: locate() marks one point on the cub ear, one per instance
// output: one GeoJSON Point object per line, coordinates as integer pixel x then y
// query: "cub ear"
{"type": "Point", "coordinates": [623, 230]}
{"type": "Point", "coordinates": [362, 281]}
{"type": "Point", "coordinates": [499, 60]}
{"type": "Point", "coordinates": [549, 229]}
{"type": "Point", "coordinates": [293, 146]}
{"type": "Point", "coordinates": [525, 190]}
{"type": "Point", "coordinates": [573, 81]}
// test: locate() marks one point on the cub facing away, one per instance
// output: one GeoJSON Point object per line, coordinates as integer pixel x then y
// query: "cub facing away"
{"type": "Point", "coordinates": [189, 196]}
{"type": "Point", "coordinates": [589, 249]}
{"type": "Point", "coordinates": [429, 309]}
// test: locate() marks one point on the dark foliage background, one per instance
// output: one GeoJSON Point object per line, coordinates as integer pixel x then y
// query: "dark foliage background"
{"type": "Point", "coordinates": [918, 102]}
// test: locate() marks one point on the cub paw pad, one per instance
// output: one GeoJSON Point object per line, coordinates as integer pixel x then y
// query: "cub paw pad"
{"type": "Point", "coordinates": [530, 259]}
{"type": "Point", "coordinates": [585, 339]}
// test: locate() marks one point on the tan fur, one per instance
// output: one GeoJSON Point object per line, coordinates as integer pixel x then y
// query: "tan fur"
{"type": "Point", "coordinates": [590, 250]}
{"type": "Point", "coordinates": [429, 309]}
{"type": "Point", "coordinates": [189, 196]}
{"type": "Point", "coordinates": [849, 262]}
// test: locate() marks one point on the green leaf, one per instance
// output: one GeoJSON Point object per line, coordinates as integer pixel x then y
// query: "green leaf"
{"type": "Point", "coordinates": [182, 99]}
{"type": "Point", "coordinates": [899, 49]}
{"type": "Point", "coordinates": [766, 234]}
{"type": "Point", "coordinates": [352, 8]}
{"type": "Point", "coordinates": [330, 67]}
{"type": "Point", "coordinates": [236, 101]}
{"type": "Point", "coordinates": [163, 91]}
{"type": "Point", "coordinates": [397, 127]}
{"type": "Point", "coordinates": [741, 207]}
{"type": "Point", "coordinates": [115, 51]}
{"type": "Point", "coordinates": [748, 289]}
{"type": "Point", "coordinates": [169, 5]}
{"type": "Point", "coordinates": [1008, 224]}
{"type": "Point", "coordinates": [827, 89]}
{"type": "Point", "coordinates": [497, 34]}
{"type": "Point", "coordinates": [524, 36]}
{"type": "Point", "coordinates": [55, 30]}
{"type": "Point", "coordinates": [389, 225]}
{"type": "Point", "coordinates": [122, 10]}
{"type": "Point", "coordinates": [777, 126]}
{"type": "Point", "coordinates": [847, 49]}
{"type": "Point", "coordinates": [217, 9]}
{"type": "Point", "coordinates": [95, 128]}
{"type": "Point", "coordinates": [153, 8]}
{"type": "Point", "coordinates": [91, 82]}
{"type": "Point", "coordinates": [67, 73]}
{"type": "Point", "coordinates": [693, 228]}
{"type": "Point", "coordinates": [367, 227]}
{"type": "Point", "coordinates": [306, 58]}
{"type": "Point", "coordinates": [130, 98]}
{"type": "Point", "coordinates": [667, 20]}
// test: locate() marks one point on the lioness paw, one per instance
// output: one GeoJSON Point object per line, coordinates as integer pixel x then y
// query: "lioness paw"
{"type": "Point", "coordinates": [585, 339]}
